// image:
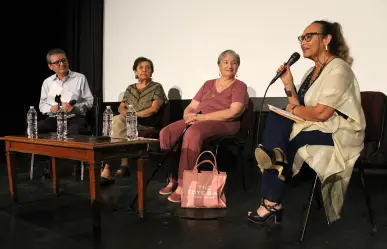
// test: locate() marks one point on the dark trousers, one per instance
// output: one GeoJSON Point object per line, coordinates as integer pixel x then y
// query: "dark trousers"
{"type": "Point", "coordinates": [276, 135]}
{"type": "Point", "coordinates": [75, 125]}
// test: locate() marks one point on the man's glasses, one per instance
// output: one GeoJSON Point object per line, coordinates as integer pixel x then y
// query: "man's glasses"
{"type": "Point", "coordinates": [63, 60]}
{"type": "Point", "coordinates": [308, 36]}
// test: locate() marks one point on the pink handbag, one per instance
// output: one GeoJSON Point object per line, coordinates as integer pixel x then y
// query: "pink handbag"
{"type": "Point", "coordinates": [204, 189]}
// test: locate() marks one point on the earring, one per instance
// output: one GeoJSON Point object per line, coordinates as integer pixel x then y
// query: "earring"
{"type": "Point", "coordinates": [236, 75]}
{"type": "Point", "coordinates": [326, 48]}
{"type": "Point", "coordinates": [220, 74]}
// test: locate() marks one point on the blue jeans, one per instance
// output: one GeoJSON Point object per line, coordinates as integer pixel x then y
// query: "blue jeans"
{"type": "Point", "coordinates": [276, 135]}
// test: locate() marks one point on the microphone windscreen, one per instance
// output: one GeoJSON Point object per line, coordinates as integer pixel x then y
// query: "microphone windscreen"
{"type": "Point", "coordinates": [295, 57]}
{"type": "Point", "coordinates": [72, 102]}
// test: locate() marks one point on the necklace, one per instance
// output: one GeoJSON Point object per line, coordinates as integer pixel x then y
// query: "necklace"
{"type": "Point", "coordinates": [320, 71]}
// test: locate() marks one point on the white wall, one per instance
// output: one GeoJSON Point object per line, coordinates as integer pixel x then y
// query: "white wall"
{"type": "Point", "coordinates": [183, 38]}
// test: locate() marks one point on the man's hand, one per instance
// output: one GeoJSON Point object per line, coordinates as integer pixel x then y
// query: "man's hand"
{"type": "Point", "coordinates": [67, 107]}
{"type": "Point", "coordinates": [54, 108]}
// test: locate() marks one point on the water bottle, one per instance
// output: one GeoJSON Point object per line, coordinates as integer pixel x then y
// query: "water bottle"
{"type": "Point", "coordinates": [107, 122]}
{"type": "Point", "coordinates": [32, 123]}
{"type": "Point", "coordinates": [131, 123]}
{"type": "Point", "coordinates": [61, 119]}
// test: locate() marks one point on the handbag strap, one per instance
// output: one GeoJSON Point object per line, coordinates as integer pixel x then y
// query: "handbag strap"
{"type": "Point", "coordinates": [214, 168]}
{"type": "Point", "coordinates": [204, 152]}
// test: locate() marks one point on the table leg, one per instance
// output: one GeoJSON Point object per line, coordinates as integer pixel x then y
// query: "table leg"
{"type": "Point", "coordinates": [94, 173]}
{"type": "Point", "coordinates": [55, 185]}
{"type": "Point", "coordinates": [141, 164]}
{"type": "Point", "coordinates": [12, 177]}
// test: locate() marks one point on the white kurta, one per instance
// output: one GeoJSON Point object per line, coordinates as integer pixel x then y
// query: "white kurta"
{"type": "Point", "coordinates": [338, 88]}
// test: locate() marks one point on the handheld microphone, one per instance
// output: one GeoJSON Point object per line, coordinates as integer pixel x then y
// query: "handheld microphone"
{"type": "Point", "coordinates": [72, 102]}
{"type": "Point", "coordinates": [295, 56]}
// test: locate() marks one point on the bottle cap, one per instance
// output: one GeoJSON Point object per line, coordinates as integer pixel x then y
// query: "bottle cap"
{"type": "Point", "coordinates": [32, 106]}
{"type": "Point", "coordinates": [108, 106]}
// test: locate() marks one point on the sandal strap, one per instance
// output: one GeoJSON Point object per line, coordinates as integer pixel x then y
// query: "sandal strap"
{"type": "Point", "coordinates": [271, 208]}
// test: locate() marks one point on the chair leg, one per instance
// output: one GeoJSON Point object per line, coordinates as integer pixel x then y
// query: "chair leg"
{"type": "Point", "coordinates": [242, 168]}
{"type": "Point", "coordinates": [82, 170]}
{"type": "Point", "coordinates": [32, 167]}
{"type": "Point", "coordinates": [309, 210]}
{"type": "Point", "coordinates": [317, 194]}
{"type": "Point", "coordinates": [367, 198]}
{"type": "Point", "coordinates": [216, 150]}
{"type": "Point", "coordinates": [163, 160]}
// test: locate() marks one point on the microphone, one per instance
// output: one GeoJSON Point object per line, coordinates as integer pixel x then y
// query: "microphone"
{"type": "Point", "coordinates": [72, 102]}
{"type": "Point", "coordinates": [295, 56]}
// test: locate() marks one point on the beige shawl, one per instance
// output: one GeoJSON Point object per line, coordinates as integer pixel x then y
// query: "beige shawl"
{"type": "Point", "coordinates": [338, 88]}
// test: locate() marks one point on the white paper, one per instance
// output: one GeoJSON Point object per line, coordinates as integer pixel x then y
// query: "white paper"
{"type": "Point", "coordinates": [55, 89]}
{"type": "Point", "coordinates": [285, 113]}
{"type": "Point", "coordinates": [67, 96]}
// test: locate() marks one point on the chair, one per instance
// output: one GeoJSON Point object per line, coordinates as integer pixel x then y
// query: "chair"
{"type": "Point", "coordinates": [163, 116]}
{"type": "Point", "coordinates": [374, 105]}
{"type": "Point", "coordinates": [238, 140]}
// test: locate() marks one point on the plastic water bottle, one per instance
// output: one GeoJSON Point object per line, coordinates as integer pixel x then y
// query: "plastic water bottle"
{"type": "Point", "coordinates": [61, 119]}
{"type": "Point", "coordinates": [107, 121]}
{"type": "Point", "coordinates": [32, 123]}
{"type": "Point", "coordinates": [131, 123]}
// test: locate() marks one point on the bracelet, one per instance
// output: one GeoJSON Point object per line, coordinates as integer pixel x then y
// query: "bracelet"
{"type": "Point", "coordinates": [292, 110]}
{"type": "Point", "coordinates": [288, 92]}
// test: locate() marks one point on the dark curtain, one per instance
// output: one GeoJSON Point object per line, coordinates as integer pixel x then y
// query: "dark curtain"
{"type": "Point", "coordinates": [31, 30]}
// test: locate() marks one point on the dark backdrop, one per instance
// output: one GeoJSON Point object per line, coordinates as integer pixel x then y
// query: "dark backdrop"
{"type": "Point", "coordinates": [30, 30]}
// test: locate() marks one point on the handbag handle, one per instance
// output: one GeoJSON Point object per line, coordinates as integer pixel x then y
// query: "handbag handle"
{"type": "Point", "coordinates": [210, 152]}
{"type": "Point", "coordinates": [214, 168]}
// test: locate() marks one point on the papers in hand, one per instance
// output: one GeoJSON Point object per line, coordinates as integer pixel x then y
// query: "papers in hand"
{"type": "Point", "coordinates": [286, 114]}
{"type": "Point", "coordinates": [67, 96]}
{"type": "Point", "coordinates": [54, 90]}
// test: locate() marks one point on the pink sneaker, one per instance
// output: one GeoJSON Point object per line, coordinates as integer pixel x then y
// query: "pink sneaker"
{"type": "Point", "coordinates": [175, 198]}
{"type": "Point", "coordinates": [167, 190]}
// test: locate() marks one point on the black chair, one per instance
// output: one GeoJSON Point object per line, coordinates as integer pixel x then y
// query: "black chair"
{"type": "Point", "coordinates": [239, 140]}
{"type": "Point", "coordinates": [374, 106]}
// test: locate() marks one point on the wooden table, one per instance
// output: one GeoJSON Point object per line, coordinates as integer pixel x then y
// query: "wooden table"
{"type": "Point", "coordinates": [83, 148]}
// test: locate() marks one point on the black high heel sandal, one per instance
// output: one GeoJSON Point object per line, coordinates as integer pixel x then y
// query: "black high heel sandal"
{"type": "Point", "coordinates": [273, 212]}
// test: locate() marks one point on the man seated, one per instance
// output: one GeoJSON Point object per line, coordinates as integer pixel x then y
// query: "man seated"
{"type": "Point", "coordinates": [73, 87]}
{"type": "Point", "coordinates": [75, 93]}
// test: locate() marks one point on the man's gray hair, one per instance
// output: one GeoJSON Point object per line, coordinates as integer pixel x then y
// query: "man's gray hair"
{"type": "Point", "coordinates": [229, 51]}
{"type": "Point", "coordinates": [54, 51]}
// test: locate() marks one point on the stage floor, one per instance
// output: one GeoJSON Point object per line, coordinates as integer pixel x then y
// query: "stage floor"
{"type": "Point", "coordinates": [44, 221]}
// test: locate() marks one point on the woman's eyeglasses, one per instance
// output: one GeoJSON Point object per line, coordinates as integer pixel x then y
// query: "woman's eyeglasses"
{"type": "Point", "coordinates": [63, 60]}
{"type": "Point", "coordinates": [308, 36]}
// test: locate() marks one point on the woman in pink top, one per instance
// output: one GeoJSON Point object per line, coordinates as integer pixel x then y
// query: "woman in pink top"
{"type": "Point", "coordinates": [221, 102]}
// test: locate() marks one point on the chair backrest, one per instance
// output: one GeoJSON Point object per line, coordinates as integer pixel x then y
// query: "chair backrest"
{"type": "Point", "coordinates": [374, 106]}
{"type": "Point", "coordinates": [247, 120]}
{"type": "Point", "coordinates": [166, 114]}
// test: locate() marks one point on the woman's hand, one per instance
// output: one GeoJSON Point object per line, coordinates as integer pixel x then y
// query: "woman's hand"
{"type": "Point", "coordinates": [122, 109]}
{"type": "Point", "coordinates": [188, 116]}
{"type": "Point", "coordinates": [290, 107]}
{"type": "Point", "coordinates": [195, 118]}
{"type": "Point", "coordinates": [287, 77]}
